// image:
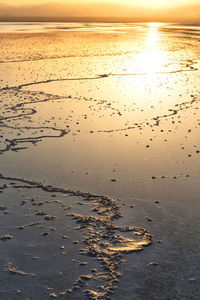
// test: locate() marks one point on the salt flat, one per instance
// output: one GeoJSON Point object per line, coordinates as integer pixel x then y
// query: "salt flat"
{"type": "Point", "coordinates": [99, 159]}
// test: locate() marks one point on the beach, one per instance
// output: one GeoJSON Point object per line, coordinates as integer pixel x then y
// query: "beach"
{"type": "Point", "coordinates": [99, 161]}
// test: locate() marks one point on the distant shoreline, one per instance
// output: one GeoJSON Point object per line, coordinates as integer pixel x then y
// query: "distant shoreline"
{"type": "Point", "coordinates": [95, 20]}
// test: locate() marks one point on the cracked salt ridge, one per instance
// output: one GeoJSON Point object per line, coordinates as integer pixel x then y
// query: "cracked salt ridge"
{"type": "Point", "coordinates": [15, 271]}
{"type": "Point", "coordinates": [103, 239]}
{"type": "Point", "coordinates": [158, 119]}
{"type": "Point", "coordinates": [189, 65]}
{"type": "Point", "coordinates": [14, 142]}
{"type": "Point", "coordinates": [36, 59]}
{"type": "Point", "coordinates": [191, 69]}
{"type": "Point", "coordinates": [180, 106]}
{"type": "Point", "coordinates": [54, 80]}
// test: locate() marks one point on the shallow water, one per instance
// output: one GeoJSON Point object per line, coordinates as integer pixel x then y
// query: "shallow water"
{"type": "Point", "coordinates": [109, 109]}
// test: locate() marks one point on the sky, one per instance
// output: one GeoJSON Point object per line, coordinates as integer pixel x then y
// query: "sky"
{"type": "Point", "coordinates": [111, 10]}
{"type": "Point", "coordinates": [145, 3]}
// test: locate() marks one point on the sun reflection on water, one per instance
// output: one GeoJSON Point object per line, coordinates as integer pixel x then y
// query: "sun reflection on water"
{"type": "Point", "coordinates": [153, 58]}
{"type": "Point", "coordinates": [149, 57]}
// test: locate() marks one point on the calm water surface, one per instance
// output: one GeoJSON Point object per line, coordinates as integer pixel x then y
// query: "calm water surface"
{"type": "Point", "coordinates": [109, 109]}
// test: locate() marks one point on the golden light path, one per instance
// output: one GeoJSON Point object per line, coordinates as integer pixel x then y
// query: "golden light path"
{"type": "Point", "coordinates": [153, 59]}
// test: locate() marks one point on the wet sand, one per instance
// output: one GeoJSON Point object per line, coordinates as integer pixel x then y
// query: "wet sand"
{"type": "Point", "coordinates": [100, 157]}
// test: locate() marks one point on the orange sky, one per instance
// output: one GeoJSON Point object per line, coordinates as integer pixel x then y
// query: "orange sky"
{"type": "Point", "coordinates": [123, 10]}
{"type": "Point", "coordinates": [144, 3]}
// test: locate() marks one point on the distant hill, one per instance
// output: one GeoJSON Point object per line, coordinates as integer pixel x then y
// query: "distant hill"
{"type": "Point", "coordinates": [97, 12]}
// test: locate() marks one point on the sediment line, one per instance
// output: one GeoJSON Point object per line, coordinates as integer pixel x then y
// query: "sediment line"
{"type": "Point", "coordinates": [53, 189]}
{"type": "Point", "coordinates": [52, 80]}
{"type": "Point", "coordinates": [158, 119]}
{"type": "Point", "coordinates": [36, 59]}
{"type": "Point", "coordinates": [19, 107]}
{"type": "Point", "coordinates": [15, 142]}
{"type": "Point", "coordinates": [173, 112]}
{"type": "Point", "coordinates": [189, 65]}
{"type": "Point", "coordinates": [103, 240]}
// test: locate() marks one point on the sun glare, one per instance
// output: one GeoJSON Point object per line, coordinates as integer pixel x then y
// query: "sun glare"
{"type": "Point", "coordinates": [152, 60]}
{"type": "Point", "coordinates": [153, 56]}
